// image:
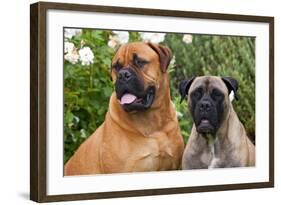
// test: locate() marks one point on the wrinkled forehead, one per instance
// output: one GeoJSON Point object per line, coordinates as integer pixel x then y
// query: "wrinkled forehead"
{"type": "Point", "coordinates": [126, 52]}
{"type": "Point", "coordinates": [208, 83]}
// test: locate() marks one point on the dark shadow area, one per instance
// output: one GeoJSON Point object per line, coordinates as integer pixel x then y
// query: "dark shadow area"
{"type": "Point", "coordinates": [24, 195]}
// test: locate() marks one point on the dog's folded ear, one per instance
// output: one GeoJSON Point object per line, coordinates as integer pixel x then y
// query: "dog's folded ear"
{"type": "Point", "coordinates": [164, 53]}
{"type": "Point", "coordinates": [232, 85]}
{"type": "Point", "coordinates": [184, 87]}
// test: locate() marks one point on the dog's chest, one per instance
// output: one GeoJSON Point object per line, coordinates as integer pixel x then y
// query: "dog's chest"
{"type": "Point", "coordinates": [219, 156]}
{"type": "Point", "coordinates": [214, 159]}
{"type": "Point", "coordinates": [207, 154]}
{"type": "Point", "coordinates": [158, 153]}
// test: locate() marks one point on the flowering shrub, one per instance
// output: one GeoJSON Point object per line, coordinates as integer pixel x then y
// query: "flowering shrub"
{"type": "Point", "coordinates": [118, 38]}
{"type": "Point", "coordinates": [152, 37]}
{"type": "Point", "coordinates": [87, 83]}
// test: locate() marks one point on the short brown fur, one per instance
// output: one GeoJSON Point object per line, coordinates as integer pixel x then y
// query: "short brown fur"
{"type": "Point", "coordinates": [136, 141]}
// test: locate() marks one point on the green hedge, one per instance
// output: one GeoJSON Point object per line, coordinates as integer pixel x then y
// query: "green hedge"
{"type": "Point", "coordinates": [221, 56]}
{"type": "Point", "coordinates": [87, 88]}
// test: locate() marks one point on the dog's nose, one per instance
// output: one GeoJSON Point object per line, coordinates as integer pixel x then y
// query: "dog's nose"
{"type": "Point", "coordinates": [124, 75]}
{"type": "Point", "coordinates": [205, 106]}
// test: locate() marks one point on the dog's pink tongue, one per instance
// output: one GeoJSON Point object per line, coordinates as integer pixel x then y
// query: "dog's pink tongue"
{"type": "Point", "coordinates": [127, 99]}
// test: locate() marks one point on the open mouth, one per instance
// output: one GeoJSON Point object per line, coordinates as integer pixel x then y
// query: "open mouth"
{"type": "Point", "coordinates": [205, 126]}
{"type": "Point", "coordinates": [130, 101]}
{"type": "Point", "coordinates": [129, 98]}
{"type": "Point", "coordinates": [205, 122]}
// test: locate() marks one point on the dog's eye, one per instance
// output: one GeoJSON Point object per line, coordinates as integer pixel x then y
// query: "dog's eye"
{"type": "Point", "coordinates": [217, 95]}
{"type": "Point", "coordinates": [117, 66]}
{"type": "Point", "coordinates": [197, 94]}
{"type": "Point", "coordinates": [140, 63]}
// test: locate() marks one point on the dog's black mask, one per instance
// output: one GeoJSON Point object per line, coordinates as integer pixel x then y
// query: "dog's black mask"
{"type": "Point", "coordinates": [130, 91]}
{"type": "Point", "coordinates": [207, 104]}
{"type": "Point", "coordinates": [207, 109]}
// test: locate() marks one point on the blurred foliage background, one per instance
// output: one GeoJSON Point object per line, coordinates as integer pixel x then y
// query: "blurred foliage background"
{"type": "Point", "coordinates": [88, 86]}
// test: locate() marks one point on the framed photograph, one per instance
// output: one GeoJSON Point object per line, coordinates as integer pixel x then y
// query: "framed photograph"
{"type": "Point", "coordinates": [133, 102]}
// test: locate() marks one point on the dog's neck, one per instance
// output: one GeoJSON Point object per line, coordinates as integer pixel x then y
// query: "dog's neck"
{"type": "Point", "coordinates": [223, 135]}
{"type": "Point", "coordinates": [145, 122]}
{"type": "Point", "coordinates": [230, 117]}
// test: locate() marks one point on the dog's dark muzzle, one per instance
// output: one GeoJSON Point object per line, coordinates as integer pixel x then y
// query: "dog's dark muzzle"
{"type": "Point", "coordinates": [206, 119]}
{"type": "Point", "coordinates": [124, 76]}
{"type": "Point", "coordinates": [131, 93]}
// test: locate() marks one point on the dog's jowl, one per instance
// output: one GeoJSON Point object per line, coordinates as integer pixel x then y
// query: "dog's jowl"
{"type": "Point", "coordinates": [140, 131]}
{"type": "Point", "coordinates": [218, 139]}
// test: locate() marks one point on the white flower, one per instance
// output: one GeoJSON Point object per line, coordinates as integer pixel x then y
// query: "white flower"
{"type": "Point", "coordinates": [71, 53]}
{"type": "Point", "coordinates": [119, 37]}
{"type": "Point", "coordinates": [123, 36]}
{"type": "Point", "coordinates": [86, 56]}
{"type": "Point", "coordinates": [68, 47]}
{"type": "Point", "coordinates": [72, 57]}
{"type": "Point", "coordinates": [187, 38]}
{"type": "Point", "coordinates": [179, 114]}
{"type": "Point", "coordinates": [112, 43]}
{"type": "Point", "coordinates": [173, 61]}
{"type": "Point", "coordinates": [152, 37]}
{"type": "Point", "coordinates": [231, 96]}
{"type": "Point", "coordinates": [69, 32]}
